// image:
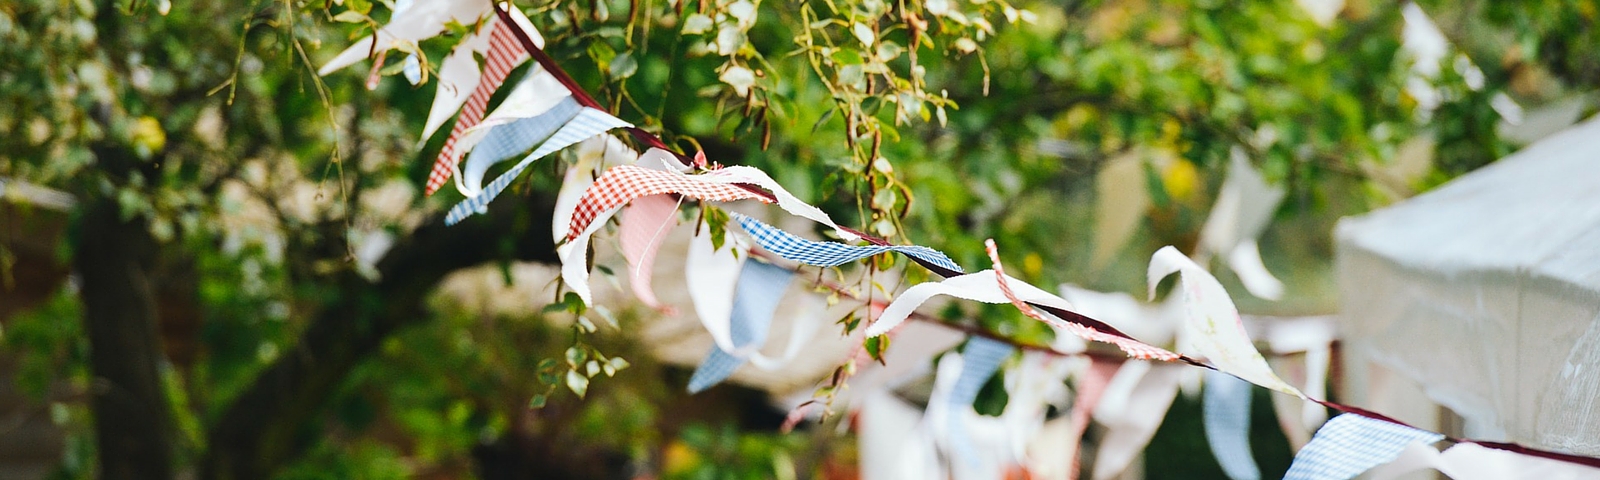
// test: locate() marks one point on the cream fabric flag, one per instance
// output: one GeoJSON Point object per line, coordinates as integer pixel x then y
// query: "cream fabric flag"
{"type": "Point", "coordinates": [1212, 326]}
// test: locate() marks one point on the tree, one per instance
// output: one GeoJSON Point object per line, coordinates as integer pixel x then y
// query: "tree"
{"type": "Point", "coordinates": [226, 194]}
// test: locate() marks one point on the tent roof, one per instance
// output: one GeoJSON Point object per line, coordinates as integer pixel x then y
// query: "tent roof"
{"type": "Point", "coordinates": [1535, 212]}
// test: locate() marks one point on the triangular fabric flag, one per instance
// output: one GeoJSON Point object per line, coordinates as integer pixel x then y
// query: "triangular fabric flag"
{"type": "Point", "coordinates": [979, 360]}
{"type": "Point", "coordinates": [623, 184]}
{"type": "Point", "coordinates": [504, 54]}
{"type": "Point", "coordinates": [644, 227]}
{"type": "Point", "coordinates": [915, 346]}
{"type": "Point", "coordinates": [1350, 444]}
{"type": "Point", "coordinates": [761, 285]}
{"type": "Point", "coordinates": [1212, 325]}
{"type": "Point", "coordinates": [1226, 411]}
{"type": "Point", "coordinates": [588, 123]}
{"type": "Point", "coordinates": [712, 274]}
{"type": "Point", "coordinates": [458, 75]}
{"type": "Point", "coordinates": [1090, 385]}
{"type": "Point", "coordinates": [595, 153]}
{"type": "Point", "coordinates": [1003, 282]}
{"type": "Point", "coordinates": [1132, 408]}
{"type": "Point", "coordinates": [1243, 210]}
{"type": "Point", "coordinates": [893, 440]}
{"type": "Point", "coordinates": [828, 254]}
{"type": "Point", "coordinates": [1154, 323]}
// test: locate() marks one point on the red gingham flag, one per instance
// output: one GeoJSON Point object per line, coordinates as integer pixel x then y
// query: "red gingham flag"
{"type": "Point", "coordinates": [623, 183]}
{"type": "Point", "coordinates": [1134, 348]}
{"type": "Point", "coordinates": [504, 55]}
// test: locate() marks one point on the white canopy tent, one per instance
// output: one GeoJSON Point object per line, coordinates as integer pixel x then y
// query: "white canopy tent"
{"type": "Point", "coordinates": [1483, 296]}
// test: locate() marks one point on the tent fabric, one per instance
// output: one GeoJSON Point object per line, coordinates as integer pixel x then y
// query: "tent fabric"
{"type": "Point", "coordinates": [1486, 293]}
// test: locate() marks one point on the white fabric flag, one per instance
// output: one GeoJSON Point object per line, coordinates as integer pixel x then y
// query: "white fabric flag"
{"type": "Point", "coordinates": [1212, 326]}
{"type": "Point", "coordinates": [1243, 210]}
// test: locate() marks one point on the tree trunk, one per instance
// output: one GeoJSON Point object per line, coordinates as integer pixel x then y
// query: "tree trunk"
{"type": "Point", "coordinates": [132, 421]}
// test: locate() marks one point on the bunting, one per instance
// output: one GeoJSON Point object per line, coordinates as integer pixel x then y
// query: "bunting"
{"type": "Point", "coordinates": [739, 316]}
{"type": "Point", "coordinates": [1132, 408]}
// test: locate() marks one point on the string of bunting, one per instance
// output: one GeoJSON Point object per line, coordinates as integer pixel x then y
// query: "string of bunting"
{"type": "Point", "coordinates": [1346, 445]}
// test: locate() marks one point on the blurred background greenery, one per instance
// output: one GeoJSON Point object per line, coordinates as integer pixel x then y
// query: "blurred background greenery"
{"type": "Point", "coordinates": [207, 302]}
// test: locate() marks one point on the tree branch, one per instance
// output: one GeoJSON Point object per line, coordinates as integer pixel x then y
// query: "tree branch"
{"type": "Point", "coordinates": [272, 422]}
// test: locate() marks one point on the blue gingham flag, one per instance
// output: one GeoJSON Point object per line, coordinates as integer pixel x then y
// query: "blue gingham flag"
{"type": "Point", "coordinates": [515, 138]}
{"type": "Point", "coordinates": [1351, 444]}
{"type": "Point", "coordinates": [979, 361]}
{"type": "Point", "coordinates": [1227, 419]}
{"type": "Point", "coordinates": [755, 299]}
{"type": "Point", "coordinates": [588, 123]}
{"type": "Point", "coordinates": [829, 254]}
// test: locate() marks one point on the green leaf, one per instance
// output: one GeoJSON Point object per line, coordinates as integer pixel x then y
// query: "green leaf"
{"type": "Point", "coordinates": [578, 383]}
{"type": "Point", "coordinates": [717, 221]}
{"type": "Point", "coordinates": [602, 53]}
{"type": "Point", "coordinates": [992, 398]}
{"type": "Point", "coordinates": [876, 346]}
{"type": "Point", "coordinates": [537, 401]}
{"type": "Point", "coordinates": [573, 303]}
{"type": "Point", "coordinates": [826, 115]}
{"type": "Point", "coordinates": [847, 56]}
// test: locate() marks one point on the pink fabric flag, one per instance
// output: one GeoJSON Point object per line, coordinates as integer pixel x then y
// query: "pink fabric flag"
{"type": "Point", "coordinates": [504, 55]}
{"type": "Point", "coordinates": [645, 225]}
{"type": "Point", "coordinates": [1090, 386]}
